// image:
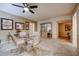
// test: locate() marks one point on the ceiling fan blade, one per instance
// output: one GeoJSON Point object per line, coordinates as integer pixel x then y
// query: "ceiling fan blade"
{"type": "Point", "coordinates": [17, 5]}
{"type": "Point", "coordinates": [35, 6]}
{"type": "Point", "coordinates": [25, 4]}
{"type": "Point", "coordinates": [31, 11]}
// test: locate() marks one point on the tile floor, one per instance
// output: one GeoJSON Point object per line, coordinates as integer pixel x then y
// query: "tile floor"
{"type": "Point", "coordinates": [55, 47]}
{"type": "Point", "coordinates": [47, 47]}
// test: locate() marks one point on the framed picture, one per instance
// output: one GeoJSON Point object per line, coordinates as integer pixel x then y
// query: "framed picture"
{"type": "Point", "coordinates": [26, 26]}
{"type": "Point", "coordinates": [67, 27]}
{"type": "Point", "coordinates": [19, 26]}
{"type": "Point", "coordinates": [6, 24]}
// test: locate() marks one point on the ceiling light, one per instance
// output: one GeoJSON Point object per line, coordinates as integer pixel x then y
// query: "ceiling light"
{"type": "Point", "coordinates": [26, 9]}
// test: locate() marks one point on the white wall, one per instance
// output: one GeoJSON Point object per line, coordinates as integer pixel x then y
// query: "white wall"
{"type": "Point", "coordinates": [54, 22]}
{"type": "Point", "coordinates": [74, 30]}
{"type": "Point", "coordinates": [75, 35]}
{"type": "Point", "coordinates": [4, 33]}
{"type": "Point", "coordinates": [78, 28]}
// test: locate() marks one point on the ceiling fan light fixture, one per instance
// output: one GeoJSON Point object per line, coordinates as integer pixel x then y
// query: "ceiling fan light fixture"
{"type": "Point", "coordinates": [26, 9]}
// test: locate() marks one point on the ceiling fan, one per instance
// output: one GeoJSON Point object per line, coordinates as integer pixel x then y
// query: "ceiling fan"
{"type": "Point", "coordinates": [26, 7]}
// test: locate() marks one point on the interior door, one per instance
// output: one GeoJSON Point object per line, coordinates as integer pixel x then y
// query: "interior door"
{"type": "Point", "coordinates": [46, 30]}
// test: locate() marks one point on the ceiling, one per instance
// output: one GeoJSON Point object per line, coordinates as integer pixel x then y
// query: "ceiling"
{"type": "Point", "coordinates": [44, 10]}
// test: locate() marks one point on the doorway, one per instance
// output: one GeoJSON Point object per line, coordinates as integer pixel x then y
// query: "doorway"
{"type": "Point", "coordinates": [65, 30]}
{"type": "Point", "coordinates": [46, 30]}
